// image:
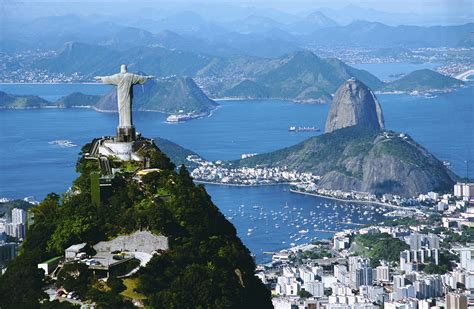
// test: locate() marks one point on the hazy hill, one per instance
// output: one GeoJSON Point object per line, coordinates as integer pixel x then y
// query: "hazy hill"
{"type": "Point", "coordinates": [98, 60]}
{"type": "Point", "coordinates": [163, 95]}
{"type": "Point", "coordinates": [422, 80]}
{"type": "Point", "coordinates": [253, 23]}
{"type": "Point", "coordinates": [375, 34]}
{"type": "Point", "coordinates": [77, 99]}
{"type": "Point", "coordinates": [300, 76]}
{"type": "Point", "coordinates": [54, 31]}
{"type": "Point", "coordinates": [314, 21]}
{"type": "Point", "coordinates": [21, 101]}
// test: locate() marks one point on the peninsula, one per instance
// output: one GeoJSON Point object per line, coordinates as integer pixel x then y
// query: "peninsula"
{"type": "Point", "coordinates": [357, 155]}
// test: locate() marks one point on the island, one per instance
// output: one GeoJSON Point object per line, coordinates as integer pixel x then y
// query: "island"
{"type": "Point", "coordinates": [422, 81]}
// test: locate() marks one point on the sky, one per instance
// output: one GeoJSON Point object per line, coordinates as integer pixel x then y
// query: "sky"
{"type": "Point", "coordinates": [435, 8]}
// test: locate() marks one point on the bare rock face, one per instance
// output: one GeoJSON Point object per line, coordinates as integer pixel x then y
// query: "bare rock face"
{"type": "Point", "coordinates": [354, 104]}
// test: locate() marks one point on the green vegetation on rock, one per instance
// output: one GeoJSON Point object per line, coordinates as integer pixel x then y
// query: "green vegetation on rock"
{"type": "Point", "coordinates": [300, 76]}
{"type": "Point", "coordinates": [175, 152]}
{"type": "Point", "coordinates": [381, 246]}
{"type": "Point", "coordinates": [77, 99]}
{"type": "Point", "coordinates": [21, 101]}
{"type": "Point", "coordinates": [350, 159]}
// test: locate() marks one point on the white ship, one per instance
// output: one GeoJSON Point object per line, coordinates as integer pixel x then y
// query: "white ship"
{"type": "Point", "coordinates": [174, 118]}
{"type": "Point", "coordinates": [62, 143]}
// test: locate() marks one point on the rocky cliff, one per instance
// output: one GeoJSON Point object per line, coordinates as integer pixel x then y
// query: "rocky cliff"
{"type": "Point", "coordinates": [354, 104]}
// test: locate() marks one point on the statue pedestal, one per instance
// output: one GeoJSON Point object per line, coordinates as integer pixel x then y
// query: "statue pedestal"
{"type": "Point", "coordinates": [126, 134]}
{"type": "Point", "coordinates": [121, 150]}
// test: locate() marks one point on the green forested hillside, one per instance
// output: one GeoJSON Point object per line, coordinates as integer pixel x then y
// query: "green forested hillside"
{"type": "Point", "coordinates": [207, 265]}
{"type": "Point", "coordinates": [77, 99]}
{"type": "Point", "coordinates": [21, 101]}
{"type": "Point", "coordinates": [423, 80]}
{"type": "Point", "coordinates": [356, 158]}
{"type": "Point", "coordinates": [300, 76]}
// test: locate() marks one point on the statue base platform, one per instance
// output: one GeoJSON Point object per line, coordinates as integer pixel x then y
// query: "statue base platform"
{"type": "Point", "coordinates": [126, 134]}
{"type": "Point", "coordinates": [122, 150]}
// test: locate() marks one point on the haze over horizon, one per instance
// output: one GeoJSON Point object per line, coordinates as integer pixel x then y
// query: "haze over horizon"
{"type": "Point", "coordinates": [430, 12]}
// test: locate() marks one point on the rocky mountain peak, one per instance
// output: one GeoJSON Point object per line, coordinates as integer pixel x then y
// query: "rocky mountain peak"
{"type": "Point", "coordinates": [354, 104]}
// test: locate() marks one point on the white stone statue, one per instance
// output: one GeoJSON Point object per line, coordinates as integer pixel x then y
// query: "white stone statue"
{"type": "Point", "coordinates": [124, 82]}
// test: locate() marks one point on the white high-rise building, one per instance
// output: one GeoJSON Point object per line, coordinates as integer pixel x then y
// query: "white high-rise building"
{"type": "Point", "coordinates": [456, 301]}
{"type": "Point", "coordinates": [382, 273]}
{"type": "Point", "coordinates": [466, 256]}
{"type": "Point", "coordinates": [465, 190]}
{"type": "Point", "coordinates": [316, 288]}
{"type": "Point", "coordinates": [18, 216]}
{"type": "Point", "coordinates": [15, 230]}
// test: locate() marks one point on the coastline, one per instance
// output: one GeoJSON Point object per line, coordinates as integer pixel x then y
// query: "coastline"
{"type": "Point", "coordinates": [351, 201]}
{"type": "Point", "coordinates": [238, 185]}
{"type": "Point", "coordinates": [62, 83]}
{"type": "Point", "coordinates": [305, 193]}
{"type": "Point", "coordinates": [309, 101]}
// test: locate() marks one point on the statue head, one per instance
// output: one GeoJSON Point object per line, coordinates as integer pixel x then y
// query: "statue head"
{"type": "Point", "coordinates": [123, 68]}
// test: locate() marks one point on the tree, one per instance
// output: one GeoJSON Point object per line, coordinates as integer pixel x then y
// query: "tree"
{"type": "Point", "coordinates": [75, 277]}
{"type": "Point", "coordinates": [22, 283]}
{"type": "Point", "coordinates": [304, 294]}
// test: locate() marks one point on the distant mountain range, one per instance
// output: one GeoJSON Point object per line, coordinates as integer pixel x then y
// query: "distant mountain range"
{"type": "Point", "coordinates": [252, 35]}
{"type": "Point", "coordinates": [304, 77]}
{"type": "Point", "coordinates": [300, 76]}
{"type": "Point", "coordinates": [378, 35]}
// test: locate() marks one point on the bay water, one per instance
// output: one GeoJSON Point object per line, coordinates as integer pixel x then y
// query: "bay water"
{"type": "Point", "coordinates": [267, 218]}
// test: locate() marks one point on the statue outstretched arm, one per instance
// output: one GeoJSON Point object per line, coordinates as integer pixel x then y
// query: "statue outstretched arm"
{"type": "Point", "coordinates": [141, 79]}
{"type": "Point", "coordinates": [112, 80]}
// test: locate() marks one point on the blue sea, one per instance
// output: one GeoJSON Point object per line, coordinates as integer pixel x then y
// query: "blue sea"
{"type": "Point", "coordinates": [267, 218]}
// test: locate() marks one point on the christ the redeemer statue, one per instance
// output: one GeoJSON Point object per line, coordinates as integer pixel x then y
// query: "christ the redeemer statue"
{"type": "Point", "coordinates": [124, 82]}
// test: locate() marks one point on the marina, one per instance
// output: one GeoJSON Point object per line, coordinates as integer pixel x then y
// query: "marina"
{"type": "Point", "coordinates": [274, 225]}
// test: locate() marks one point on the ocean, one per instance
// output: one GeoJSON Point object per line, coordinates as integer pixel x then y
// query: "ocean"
{"type": "Point", "coordinates": [267, 218]}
